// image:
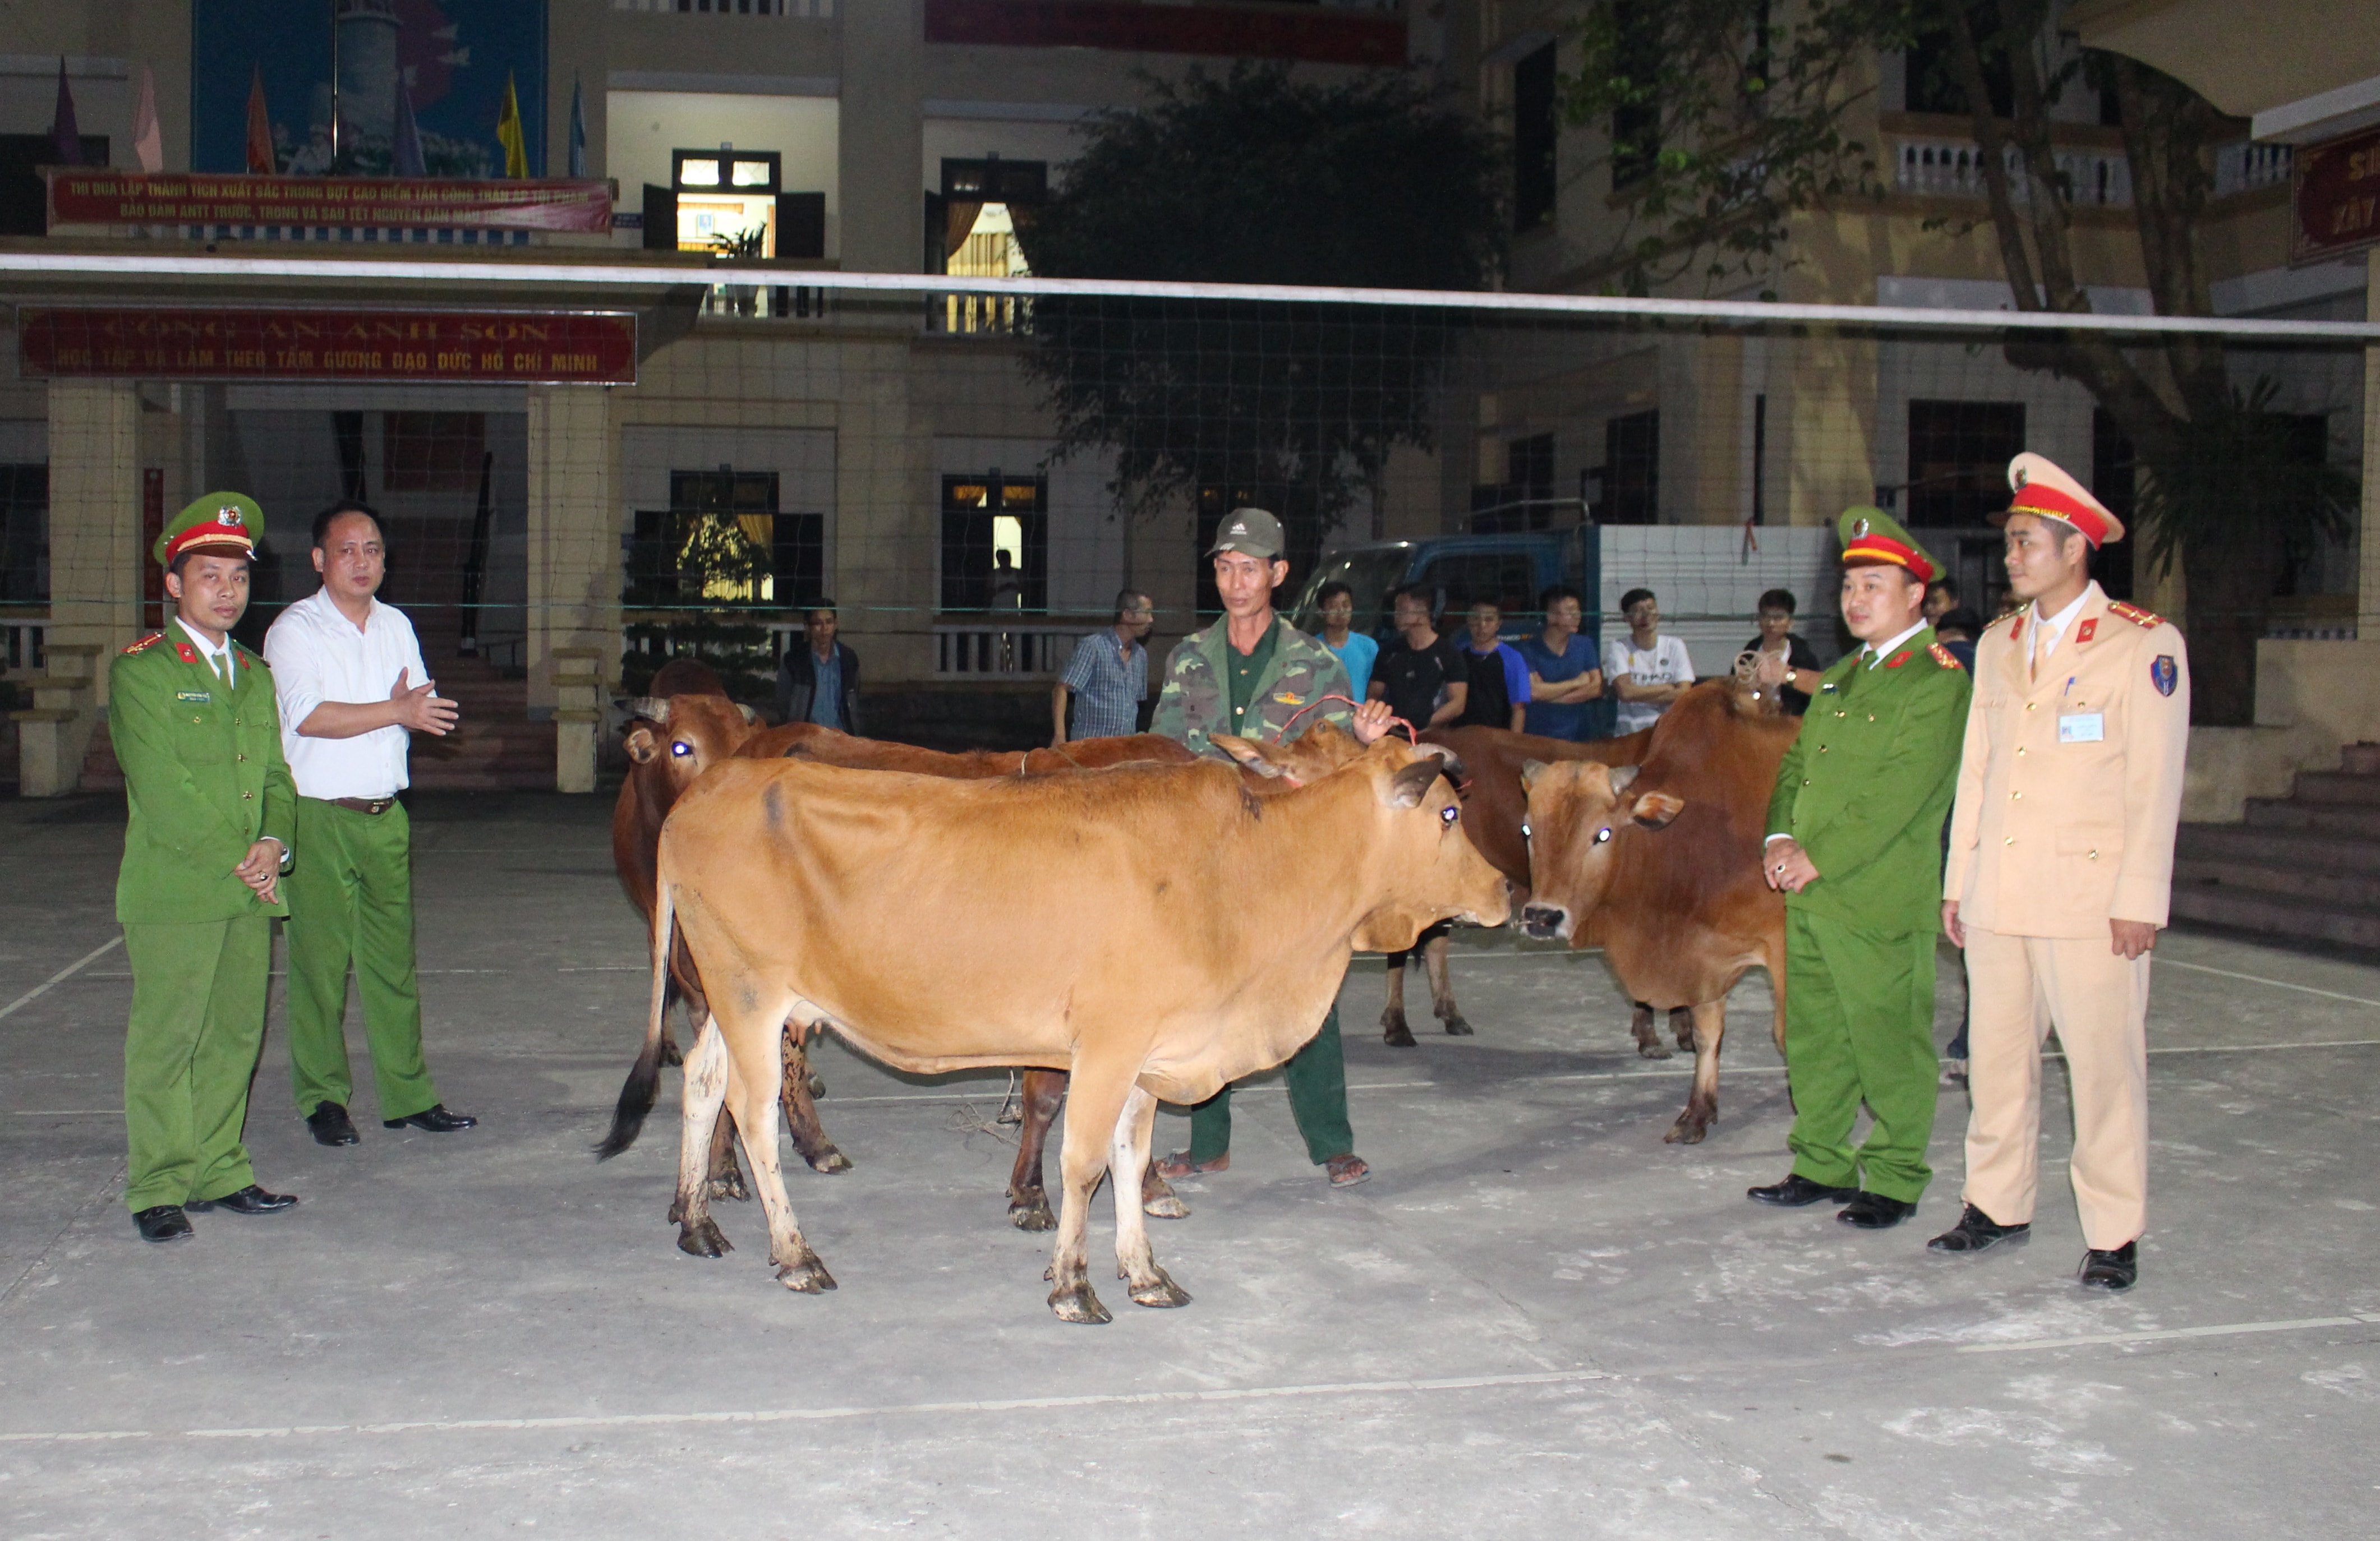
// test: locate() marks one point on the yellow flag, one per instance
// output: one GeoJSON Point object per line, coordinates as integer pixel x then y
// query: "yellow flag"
{"type": "Point", "coordinates": [508, 134]}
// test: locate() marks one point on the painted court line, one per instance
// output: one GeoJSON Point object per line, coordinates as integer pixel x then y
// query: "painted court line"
{"type": "Point", "coordinates": [63, 974]}
{"type": "Point", "coordinates": [828, 1414]}
{"type": "Point", "coordinates": [2232, 1330]}
{"type": "Point", "coordinates": [2260, 979]}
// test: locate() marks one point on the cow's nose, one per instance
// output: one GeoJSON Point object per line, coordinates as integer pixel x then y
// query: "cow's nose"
{"type": "Point", "coordinates": [1543, 921]}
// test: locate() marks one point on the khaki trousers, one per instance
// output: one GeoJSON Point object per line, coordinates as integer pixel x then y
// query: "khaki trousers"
{"type": "Point", "coordinates": [2018, 987]}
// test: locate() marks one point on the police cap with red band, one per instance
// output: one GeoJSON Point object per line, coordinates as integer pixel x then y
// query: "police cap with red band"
{"type": "Point", "coordinates": [220, 524]}
{"type": "Point", "coordinates": [1871, 539]}
{"type": "Point", "coordinates": [2042, 487]}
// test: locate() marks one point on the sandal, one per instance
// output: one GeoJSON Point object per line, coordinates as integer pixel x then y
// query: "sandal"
{"type": "Point", "coordinates": [1178, 1164]}
{"type": "Point", "coordinates": [1347, 1171]}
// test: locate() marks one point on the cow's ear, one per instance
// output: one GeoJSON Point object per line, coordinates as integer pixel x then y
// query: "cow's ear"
{"type": "Point", "coordinates": [1248, 752]}
{"type": "Point", "coordinates": [1530, 771]}
{"type": "Point", "coordinates": [751, 718]}
{"type": "Point", "coordinates": [1407, 787]}
{"type": "Point", "coordinates": [639, 743]}
{"type": "Point", "coordinates": [1654, 809]}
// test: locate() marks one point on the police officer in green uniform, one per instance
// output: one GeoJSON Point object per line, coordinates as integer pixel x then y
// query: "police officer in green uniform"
{"type": "Point", "coordinates": [192, 718]}
{"type": "Point", "coordinates": [1254, 676]}
{"type": "Point", "coordinates": [1855, 844]}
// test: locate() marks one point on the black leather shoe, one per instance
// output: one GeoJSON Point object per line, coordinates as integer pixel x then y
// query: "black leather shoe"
{"type": "Point", "coordinates": [164, 1222]}
{"type": "Point", "coordinates": [250, 1200]}
{"type": "Point", "coordinates": [434, 1118]}
{"type": "Point", "coordinates": [1798, 1190]}
{"type": "Point", "coordinates": [1874, 1212]}
{"type": "Point", "coordinates": [2111, 1271]}
{"type": "Point", "coordinates": [331, 1124]}
{"type": "Point", "coordinates": [1976, 1230]}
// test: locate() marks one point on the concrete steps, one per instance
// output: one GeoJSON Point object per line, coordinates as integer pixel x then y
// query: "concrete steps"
{"type": "Point", "coordinates": [2306, 866]}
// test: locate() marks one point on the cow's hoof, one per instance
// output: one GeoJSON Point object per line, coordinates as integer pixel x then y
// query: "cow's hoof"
{"type": "Point", "coordinates": [703, 1238]}
{"type": "Point", "coordinates": [730, 1184]}
{"type": "Point", "coordinates": [818, 1086]}
{"type": "Point", "coordinates": [1688, 1130]}
{"type": "Point", "coordinates": [1159, 1291]}
{"type": "Point", "coordinates": [1397, 1036]}
{"type": "Point", "coordinates": [1457, 1027]}
{"type": "Point", "coordinates": [1165, 1205]}
{"type": "Point", "coordinates": [828, 1160]}
{"type": "Point", "coordinates": [806, 1275]}
{"type": "Point", "coordinates": [1032, 1214]}
{"type": "Point", "coordinates": [1076, 1303]}
{"type": "Point", "coordinates": [1651, 1049]}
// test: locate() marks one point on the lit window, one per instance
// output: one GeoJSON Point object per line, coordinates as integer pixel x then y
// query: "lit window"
{"type": "Point", "coordinates": [700, 173]}
{"type": "Point", "coordinates": [751, 173]}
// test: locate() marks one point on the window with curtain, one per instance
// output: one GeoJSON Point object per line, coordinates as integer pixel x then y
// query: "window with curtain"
{"type": "Point", "coordinates": [986, 518]}
{"type": "Point", "coordinates": [724, 541]}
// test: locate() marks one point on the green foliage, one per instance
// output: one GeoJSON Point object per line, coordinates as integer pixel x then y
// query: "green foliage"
{"type": "Point", "coordinates": [1261, 179]}
{"type": "Point", "coordinates": [1723, 124]}
{"type": "Point", "coordinates": [2246, 468]}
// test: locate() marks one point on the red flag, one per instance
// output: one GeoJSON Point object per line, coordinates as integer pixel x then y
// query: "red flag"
{"type": "Point", "coordinates": [261, 158]}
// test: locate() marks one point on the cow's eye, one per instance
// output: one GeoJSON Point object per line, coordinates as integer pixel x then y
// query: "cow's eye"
{"type": "Point", "coordinates": [1449, 814]}
{"type": "Point", "coordinates": [1524, 832]}
{"type": "Point", "coordinates": [1603, 834]}
{"type": "Point", "coordinates": [681, 747]}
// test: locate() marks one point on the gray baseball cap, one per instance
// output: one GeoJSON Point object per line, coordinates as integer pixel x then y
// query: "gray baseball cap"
{"type": "Point", "coordinates": [1250, 530]}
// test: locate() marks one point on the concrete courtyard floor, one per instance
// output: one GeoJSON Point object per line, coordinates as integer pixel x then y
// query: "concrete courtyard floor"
{"type": "Point", "coordinates": [1536, 1319]}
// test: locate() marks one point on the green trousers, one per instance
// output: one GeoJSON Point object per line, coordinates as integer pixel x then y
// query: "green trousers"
{"type": "Point", "coordinates": [1858, 1027]}
{"type": "Point", "coordinates": [189, 1051]}
{"type": "Point", "coordinates": [1317, 1100]}
{"type": "Point", "coordinates": [350, 892]}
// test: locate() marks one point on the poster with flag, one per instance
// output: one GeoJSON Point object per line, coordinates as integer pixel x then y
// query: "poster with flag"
{"type": "Point", "coordinates": [449, 67]}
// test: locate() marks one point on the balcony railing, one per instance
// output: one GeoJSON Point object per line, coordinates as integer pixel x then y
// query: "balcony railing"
{"type": "Point", "coordinates": [2244, 166]}
{"type": "Point", "coordinates": [989, 650]}
{"type": "Point", "coordinates": [822, 10]}
{"type": "Point", "coordinates": [1954, 168]}
{"type": "Point", "coordinates": [986, 315]}
{"type": "Point", "coordinates": [766, 302]}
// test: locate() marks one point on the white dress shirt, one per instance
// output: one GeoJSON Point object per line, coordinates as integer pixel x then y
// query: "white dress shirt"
{"type": "Point", "coordinates": [318, 655]}
{"type": "Point", "coordinates": [1877, 650]}
{"type": "Point", "coordinates": [218, 655]}
{"type": "Point", "coordinates": [2043, 639]}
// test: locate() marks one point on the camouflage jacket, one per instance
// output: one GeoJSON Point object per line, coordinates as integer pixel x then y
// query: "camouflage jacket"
{"type": "Point", "coordinates": [1197, 698]}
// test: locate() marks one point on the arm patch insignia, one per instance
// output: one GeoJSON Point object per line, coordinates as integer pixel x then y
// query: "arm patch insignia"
{"type": "Point", "coordinates": [1944, 656]}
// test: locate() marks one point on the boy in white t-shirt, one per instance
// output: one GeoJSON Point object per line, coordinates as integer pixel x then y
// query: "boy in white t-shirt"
{"type": "Point", "coordinates": [1647, 671]}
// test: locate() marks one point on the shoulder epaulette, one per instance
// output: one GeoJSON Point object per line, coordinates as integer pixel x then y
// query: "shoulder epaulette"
{"type": "Point", "coordinates": [2147, 619]}
{"type": "Point", "coordinates": [146, 643]}
{"type": "Point", "coordinates": [1945, 657]}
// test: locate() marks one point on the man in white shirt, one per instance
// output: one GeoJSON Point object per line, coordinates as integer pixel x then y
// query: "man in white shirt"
{"type": "Point", "coordinates": [344, 666]}
{"type": "Point", "coordinates": [1648, 671]}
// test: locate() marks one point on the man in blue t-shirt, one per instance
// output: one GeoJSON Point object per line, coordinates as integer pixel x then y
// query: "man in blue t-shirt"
{"type": "Point", "coordinates": [1351, 648]}
{"type": "Point", "coordinates": [1565, 671]}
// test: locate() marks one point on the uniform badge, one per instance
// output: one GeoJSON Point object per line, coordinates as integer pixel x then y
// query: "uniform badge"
{"type": "Point", "coordinates": [1859, 529]}
{"type": "Point", "coordinates": [2163, 675]}
{"type": "Point", "coordinates": [2086, 631]}
{"type": "Point", "coordinates": [2016, 628]}
{"type": "Point", "coordinates": [1289, 697]}
{"type": "Point", "coordinates": [196, 698]}
{"type": "Point", "coordinates": [1896, 659]}
{"type": "Point", "coordinates": [1945, 657]}
{"type": "Point", "coordinates": [145, 643]}
{"type": "Point", "coordinates": [187, 653]}
{"type": "Point", "coordinates": [2148, 620]}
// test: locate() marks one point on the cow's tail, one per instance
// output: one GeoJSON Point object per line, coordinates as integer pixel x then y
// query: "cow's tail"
{"type": "Point", "coordinates": [636, 1093]}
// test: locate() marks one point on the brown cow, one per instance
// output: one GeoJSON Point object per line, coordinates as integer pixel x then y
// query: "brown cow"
{"type": "Point", "coordinates": [1161, 932]}
{"type": "Point", "coordinates": [1660, 864]}
{"type": "Point", "coordinates": [1495, 807]}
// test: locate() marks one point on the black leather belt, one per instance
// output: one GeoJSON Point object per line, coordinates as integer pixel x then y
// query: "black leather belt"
{"type": "Point", "coordinates": [374, 805]}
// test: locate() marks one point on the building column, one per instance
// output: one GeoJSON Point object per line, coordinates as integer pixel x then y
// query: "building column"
{"type": "Point", "coordinates": [574, 571]}
{"type": "Point", "coordinates": [96, 569]}
{"type": "Point", "coordinates": [1822, 428]}
{"type": "Point", "coordinates": [2367, 588]}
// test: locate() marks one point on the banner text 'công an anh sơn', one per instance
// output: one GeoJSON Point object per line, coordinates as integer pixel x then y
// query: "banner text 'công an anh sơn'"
{"type": "Point", "coordinates": [477, 347]}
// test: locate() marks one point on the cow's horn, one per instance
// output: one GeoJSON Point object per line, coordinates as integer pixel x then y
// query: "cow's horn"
{"type": "Point", "coordinates": [1622, 778]}
{"type": "Point", "coordinates": [653, 709]}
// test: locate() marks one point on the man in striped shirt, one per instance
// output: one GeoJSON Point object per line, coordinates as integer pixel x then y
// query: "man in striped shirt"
{"type": "Point", "coordinates": [1108, 676]}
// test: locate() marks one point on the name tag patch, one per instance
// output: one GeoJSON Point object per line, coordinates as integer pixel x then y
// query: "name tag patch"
{"type": "Point", "coordinates": [199, 697]}
{"type": "Point", "coordinates": [2082, 727]}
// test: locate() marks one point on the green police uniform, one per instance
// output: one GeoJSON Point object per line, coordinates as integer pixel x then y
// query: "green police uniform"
{"type": "Point", "coordinates": [1864, 790]}
{"type": "Point", "coordinates": [204, 780]}
{"type": "Point", "coordinates": [1265, 694]}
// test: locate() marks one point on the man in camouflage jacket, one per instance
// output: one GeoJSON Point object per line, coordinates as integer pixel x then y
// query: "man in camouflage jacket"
{"type": "Point", "coordinates": [1254, 676]}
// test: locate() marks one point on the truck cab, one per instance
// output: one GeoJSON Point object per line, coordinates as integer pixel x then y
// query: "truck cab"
{"type": "Point", "coordinates": [1510, 568]}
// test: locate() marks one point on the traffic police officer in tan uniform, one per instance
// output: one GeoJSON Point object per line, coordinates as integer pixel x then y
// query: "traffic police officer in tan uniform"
{"type": "Point", "coordinates": [2061, 866]}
